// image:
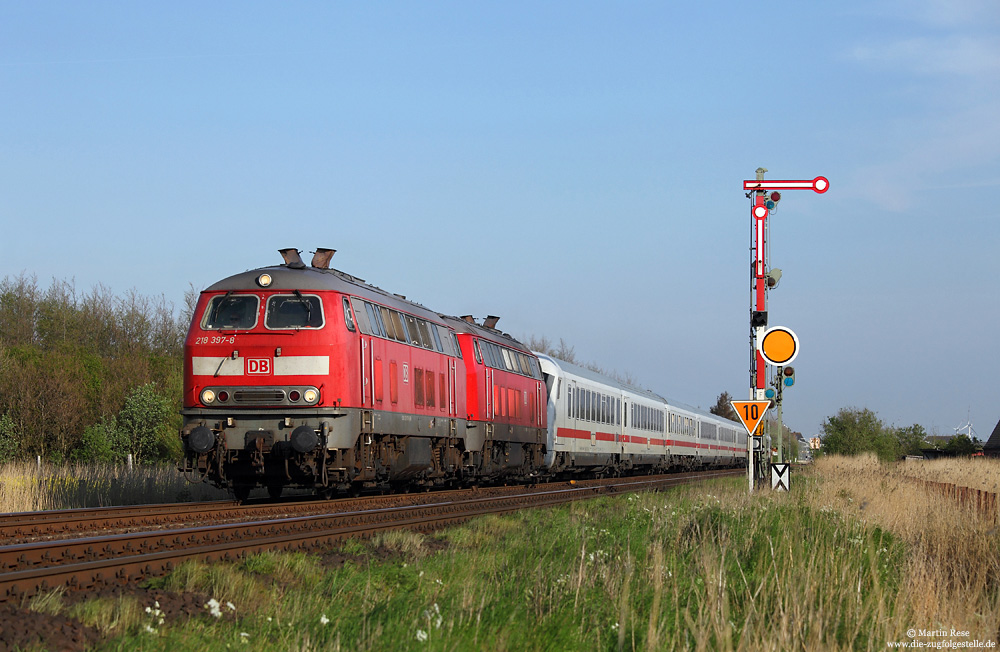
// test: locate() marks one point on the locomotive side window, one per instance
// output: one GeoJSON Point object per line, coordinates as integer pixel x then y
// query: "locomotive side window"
{"type": "Point", "coordinates": [293, 311]}
{"type": "Point", "coordinates": [373, 320]}
{"type": "Point", "coordinates": [362, 316]}
{"type": "Point", "coordinates": [437, 338]}
{"type": "Point", "coordinates": [348, 318]}
{"type": "Point", "coordinates": [425, 335]}
{"type": "Point", "coordinates": [475, 349]}
{"type": "Point", "coordinates": [231, 312]}
{"type": "Point", "coordinates": [391, 326]}
{"type": "Point", "coordinates": [401, 333]}
{"type": "Point", "coordinates": [411, 329]}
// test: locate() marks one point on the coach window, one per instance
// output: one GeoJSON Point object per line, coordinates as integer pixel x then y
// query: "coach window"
{"type": "Point", "coordinates": [231, 312]}
{"type": "Point", "coordinates": [293, 311]}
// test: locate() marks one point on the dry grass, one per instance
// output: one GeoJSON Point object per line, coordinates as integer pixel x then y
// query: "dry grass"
{"type": "Point", "coordinates": [977, 472]}
{"type": "Point", "coordinates": [27, 487]}
{"type": "Point", "coordinates": [953, 558]}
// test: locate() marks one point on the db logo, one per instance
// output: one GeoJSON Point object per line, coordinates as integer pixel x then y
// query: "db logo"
{"type": "Point", "coordinates": [258, 366]}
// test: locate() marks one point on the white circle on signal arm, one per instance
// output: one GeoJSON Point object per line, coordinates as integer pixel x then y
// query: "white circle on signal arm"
{"type": "Point", "coordinates": [760, 212]}
{"type": "Point", "coordinates": [820, 184]}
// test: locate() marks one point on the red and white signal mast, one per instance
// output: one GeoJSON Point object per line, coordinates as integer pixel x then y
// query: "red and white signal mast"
{"type": "Point", "coordinates": [764, 196]}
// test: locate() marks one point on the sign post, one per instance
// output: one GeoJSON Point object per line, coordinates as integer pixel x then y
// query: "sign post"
{"type": "Point", "coordinates": [768, 346]}
{"type": "Point", "coordinates": [751, 413]}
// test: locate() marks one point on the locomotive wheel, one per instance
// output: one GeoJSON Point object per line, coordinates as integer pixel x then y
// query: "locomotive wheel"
{"type": "Point", "coordinates": [241, 492]}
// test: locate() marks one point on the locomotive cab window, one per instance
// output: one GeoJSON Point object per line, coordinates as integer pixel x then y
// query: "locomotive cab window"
{"type": "Point", "coordinates": [348, 318]}
{"type": "Point", "coordinates": [293, 311]}
{"type": "Point", "coordinates": [231, 312]}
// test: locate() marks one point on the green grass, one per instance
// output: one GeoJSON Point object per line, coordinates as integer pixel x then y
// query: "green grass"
{"type": "Point", "coordinates": [676, 570]}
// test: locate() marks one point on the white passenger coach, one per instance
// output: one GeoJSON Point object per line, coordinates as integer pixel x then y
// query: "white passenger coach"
{"type": "Point", "coordinates": [597, 422]}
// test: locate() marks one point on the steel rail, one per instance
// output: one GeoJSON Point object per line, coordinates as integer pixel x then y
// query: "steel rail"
{"type": "Point", "coordinates": [94, 561]}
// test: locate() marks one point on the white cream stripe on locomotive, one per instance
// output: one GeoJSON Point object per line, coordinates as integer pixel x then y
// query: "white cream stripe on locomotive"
{"type": "Point", "coordinates": [291, 365]}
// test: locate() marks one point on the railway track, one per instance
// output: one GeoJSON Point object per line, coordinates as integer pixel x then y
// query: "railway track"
{"type": "Point", "coordinates": [86, 562]}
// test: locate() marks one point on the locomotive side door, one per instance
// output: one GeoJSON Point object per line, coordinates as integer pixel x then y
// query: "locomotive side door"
{"type": "Point", "coordinates": [452, 399]}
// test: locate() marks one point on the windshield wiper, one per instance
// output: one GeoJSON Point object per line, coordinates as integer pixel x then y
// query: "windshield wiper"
{"type": "Point", "coordinates": [218, 306]}
{"type": "Point", "coordinates": [308, 306]}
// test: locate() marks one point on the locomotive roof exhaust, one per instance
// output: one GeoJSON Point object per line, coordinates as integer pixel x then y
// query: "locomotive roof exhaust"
{"type": "Point", "coordinates": [490, 322]}
{"type": "Point", "coordinates": [321, 259]}
{"type": "Point", "coordinates": [291, 258]}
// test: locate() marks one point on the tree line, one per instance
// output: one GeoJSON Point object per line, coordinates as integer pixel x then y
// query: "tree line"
{"type": "Point", "coordinates": [88, 376]}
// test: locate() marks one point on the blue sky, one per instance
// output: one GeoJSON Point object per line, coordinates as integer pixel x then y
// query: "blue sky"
{"type": "Point", "coordinates": [575, 168]}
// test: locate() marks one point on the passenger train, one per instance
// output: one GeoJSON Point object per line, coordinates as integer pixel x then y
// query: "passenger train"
{"type": "Point", "coordinates": [308, 377]}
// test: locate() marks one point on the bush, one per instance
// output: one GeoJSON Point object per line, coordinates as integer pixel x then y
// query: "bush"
{"type": "Point", "coordinates": [141, 422]}
{"type": "Point", "coordinates": [9, 441]}
{"type": "Point", "coordinates": [96, 443]}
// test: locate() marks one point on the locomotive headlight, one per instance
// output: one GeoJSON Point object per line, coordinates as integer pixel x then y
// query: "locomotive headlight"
{"type": "Point", "coordinates": [310, 395]}
{"type": "Point", "coordinates": [264, 280]}
{"type": "Point", "coordinates": [208, 396]}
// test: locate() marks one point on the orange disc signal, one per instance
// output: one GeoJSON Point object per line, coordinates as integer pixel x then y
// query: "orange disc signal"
{"type": "Point", "coordinates": [751, 413]}
{"type": "Point", "coordinates": [779, 345]}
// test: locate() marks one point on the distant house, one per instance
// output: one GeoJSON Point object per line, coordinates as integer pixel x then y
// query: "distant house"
{"type": "Point", "coordinates": [992, 446]}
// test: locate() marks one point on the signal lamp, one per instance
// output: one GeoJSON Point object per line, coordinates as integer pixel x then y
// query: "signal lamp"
{"type": "Point", "coordinates": [310, 395]}
{"type": "Point", "coordinates": [223, 396]}
{"type": "Point", "coordinates": [775, 196]}
{"type": "Point", "coordinates": [769, 393]}
{"type": "Point", "coordinates": [294, 396]}
{"type": "Point", "coordinates": [208, 396]}
{"type": "Point", "coordinates": [789, 373]}
{"type": "Point", "coordinates": [264, 280]}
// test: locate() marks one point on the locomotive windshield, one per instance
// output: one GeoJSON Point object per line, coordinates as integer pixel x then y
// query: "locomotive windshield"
{"type": "Point", "coordinates": [294, 311]}
{"type": "Point", "coordinates": [231, 312]}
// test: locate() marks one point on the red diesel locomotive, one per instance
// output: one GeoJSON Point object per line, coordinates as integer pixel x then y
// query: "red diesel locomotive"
{"type": "Point", "coordinates": [309, 377]}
